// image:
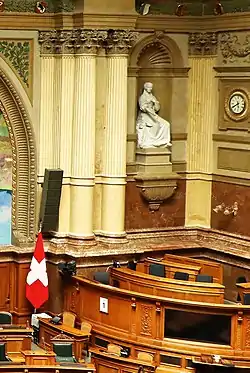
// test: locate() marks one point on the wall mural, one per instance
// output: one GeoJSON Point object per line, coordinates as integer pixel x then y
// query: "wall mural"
{"type": "Point", "coordinates": [5, 183]}
{"type": "Point", "coordinates": [192, 7]}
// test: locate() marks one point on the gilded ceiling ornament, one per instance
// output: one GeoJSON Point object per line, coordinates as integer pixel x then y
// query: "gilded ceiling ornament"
{"type": "Point", "coordinates": [120, 41]}
{"type": "Point", "coordinates": [203, 44]}
{"type": "Point", "coordinates": [233, 48]}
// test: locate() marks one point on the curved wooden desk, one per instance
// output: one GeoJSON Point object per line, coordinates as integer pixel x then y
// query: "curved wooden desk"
{"type": "Point", "coordinates": [165, 287]}
{"type": "Point", "coordinates": [140, 322]}
{"type": "Point", "coordinates": [12, 368]}
{"type": "Point", "coordinates": [48, 330]}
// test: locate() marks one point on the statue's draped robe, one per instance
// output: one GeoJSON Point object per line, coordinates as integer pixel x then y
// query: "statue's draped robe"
{"type": "Point", "coordinates": [152, 130]}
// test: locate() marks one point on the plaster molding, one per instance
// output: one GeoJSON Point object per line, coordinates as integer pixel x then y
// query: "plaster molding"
{"type": "Point", "coordinates": [74, 41]}
{"type": "Point", "coordinates": [234, 47]}
{"type": "Point", "coordinates": [203, 44]}
{"type": "Point", "coordinates": [23, 163]}
{"type": "Point", "coordinates": [119, 42]}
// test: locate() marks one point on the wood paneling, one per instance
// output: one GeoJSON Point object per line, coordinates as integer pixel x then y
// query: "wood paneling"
{"type": "Point", "coordinates": [5, 287]}
{"type": "Point", "coordinates": [169, 288]}
{"type": "Point", "coordinates": [147, 316]}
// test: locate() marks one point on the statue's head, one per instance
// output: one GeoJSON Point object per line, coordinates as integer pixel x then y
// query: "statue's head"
{"type": "Point", "coordinates": [148, 87]}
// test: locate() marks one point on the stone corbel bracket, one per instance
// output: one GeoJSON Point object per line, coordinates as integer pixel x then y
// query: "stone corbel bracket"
{"type": "Point", "coordinates": [156, 189]}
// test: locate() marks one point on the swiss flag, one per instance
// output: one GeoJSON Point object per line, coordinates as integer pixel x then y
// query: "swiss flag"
{"type": "Point", "coordinates": [37, 291]}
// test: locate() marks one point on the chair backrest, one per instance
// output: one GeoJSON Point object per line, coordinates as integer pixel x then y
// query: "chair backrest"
{"type": "Point", "coordinates": [102, 277]}
{"type": "Point", "coordinates": [131, 265]}
{"type": "Point", "coordinates": [157, 270]}
{"type": "Point", "coordinates": [114, 349]}
{"type": "Point", "coordinates": [86, 327]}
{"type": "Point", "coordinates": [181, 276]}
{"type": "Point", "coordinates": [246, 299]}
{"type": "Point", "coordinates": [69, 319]}
{"type": "Point", "coordinates": [204, 278]}
{"type": "Point", "coordinates": [5, 317]}
{"type": "Point", "coordinates": [241, 280]}
{"type": "Point", "coordinates": [63, 349]}
{"type": "Point", "coordinates": [145, 356]}
{"type": "Point", "coordinates": [2, 351]}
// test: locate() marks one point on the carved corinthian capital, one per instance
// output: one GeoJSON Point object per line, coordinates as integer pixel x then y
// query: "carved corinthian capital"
{"type": "Point", "coordinates": [203, 44]}
{"type": "Point", "coordinates": [89, 41]}
{"type": "Point", "coordinates": [120, 41]}
{"type": "Point", "coordinates": [71, 41]}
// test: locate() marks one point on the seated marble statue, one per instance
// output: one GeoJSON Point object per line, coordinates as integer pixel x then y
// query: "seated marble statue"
{"type": "Point", "coordinates": [152, 130]}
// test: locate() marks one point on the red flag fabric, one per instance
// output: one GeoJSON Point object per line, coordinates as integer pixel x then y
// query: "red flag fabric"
{"type": "Point", "coordinates": [37, 291]}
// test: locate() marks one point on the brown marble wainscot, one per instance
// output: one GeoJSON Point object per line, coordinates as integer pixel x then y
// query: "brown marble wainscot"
{"type": "Point", "coordinates": [229, 193]}
{"type": "Point", "coordinates": [170, 214]}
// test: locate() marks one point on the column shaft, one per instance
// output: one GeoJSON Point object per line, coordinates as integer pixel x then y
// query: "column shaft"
{"type": "Point", "coordinates": [63, 117]}
{"type": "Point", "coordinates": [83, 148]}
{"type": "Point", "coordinates": [46, 141]}
{"type": "Point", "coordinates": [114, 162]}
{"type": "Point", "coordinates": [201, 121]}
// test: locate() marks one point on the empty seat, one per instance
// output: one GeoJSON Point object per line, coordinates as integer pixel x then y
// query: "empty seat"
{"type": "Point", "coordinates": [69, 319]}
{"type": "Point", "coordinates": [5, 317]}
{"type": "Point", "coordinates": [157, 270]}
{"type": "Point", "coordinates": [204, 278]}
{"type": "Point", "coordinates": [181, 276]}
{"type": "Point", "coordinates": [102, 277]}
{"type": "Point", "coordinates": [131, 265]}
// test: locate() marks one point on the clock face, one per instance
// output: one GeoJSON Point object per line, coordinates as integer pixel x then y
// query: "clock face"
{"type": "Point", "coordinates": [237, 103]}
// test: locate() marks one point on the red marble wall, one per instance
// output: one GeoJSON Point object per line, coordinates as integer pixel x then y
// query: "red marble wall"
{"type": "Point", "coordinates": [170, 214]}
{"type": "Point", "coordinates": [230, 193]}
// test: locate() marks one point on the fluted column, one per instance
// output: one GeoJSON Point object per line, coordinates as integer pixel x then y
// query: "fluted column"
{"type": "Point", "coordinates": [46, 158]}
{"type": "Point", "coordinates": [201, 122]}
{"type": "Point", "coordinates": [57, 43]}
{"type": "Point", "coordinates": [115, 135]}
{"type": "Point", "coordinates": [83, 146]}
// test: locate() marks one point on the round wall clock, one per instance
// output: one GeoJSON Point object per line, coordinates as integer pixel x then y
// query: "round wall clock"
{"type": "Point", "coordinates": [237, 105]}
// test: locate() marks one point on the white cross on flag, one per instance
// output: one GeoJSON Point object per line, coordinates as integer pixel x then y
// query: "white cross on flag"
{"type": "Point", "coordinates": [37, 291]}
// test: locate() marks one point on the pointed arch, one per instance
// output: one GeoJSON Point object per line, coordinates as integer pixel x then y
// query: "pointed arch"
{"type": "Point", "coordinates": [23, 163]}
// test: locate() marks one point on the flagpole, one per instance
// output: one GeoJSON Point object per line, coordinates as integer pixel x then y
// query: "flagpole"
{"type": "Point", "coordinates": [39, 231]}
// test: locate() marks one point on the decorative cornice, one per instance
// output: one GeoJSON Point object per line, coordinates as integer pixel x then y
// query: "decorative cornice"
{"type": "Point", "coordinates": [235, 48]}
{"type": "Point", "coordinates": [203, 44]}
{"type": "Point", "coordinates": [120, 41]}
{"type": "Point", "coordinates": [71, 41]}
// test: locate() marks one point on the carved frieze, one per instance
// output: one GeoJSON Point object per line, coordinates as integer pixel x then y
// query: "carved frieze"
{"type": "Point", "coordinates": [203, 44]}
{"type": "Point", "coordinates": [85, 41]}
{"type": "Point", "coordinates": [235, 48]}
{"type": "Point", "coordinates": [146, 320]}
{"type": "Point", "coordinates": [247, 333]}
{"type": "Point", "coordinates": [71, 41]}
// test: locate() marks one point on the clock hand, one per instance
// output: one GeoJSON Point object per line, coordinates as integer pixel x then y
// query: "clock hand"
{"type": "Point", "coordinates": [235, 105]}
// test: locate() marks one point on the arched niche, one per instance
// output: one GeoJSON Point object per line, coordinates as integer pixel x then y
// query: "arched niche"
{"type": "Point", "coordinates": [23, 163]}
{"type": "Point", "coordinates": [158, 59]}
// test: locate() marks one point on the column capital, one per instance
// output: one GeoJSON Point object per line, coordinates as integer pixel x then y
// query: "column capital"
{"type": "Point", "coordinates": [120, 41]}
{"type": "Point", "coordinates": [80, 41]}
{"type": "Point", "coordinates": [203, 44]}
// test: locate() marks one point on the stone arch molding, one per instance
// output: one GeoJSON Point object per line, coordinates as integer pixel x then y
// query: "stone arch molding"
{"type": "Point", "coordinates": [23, 163]}
{"type": "Point", "coordinates": [164, 45]}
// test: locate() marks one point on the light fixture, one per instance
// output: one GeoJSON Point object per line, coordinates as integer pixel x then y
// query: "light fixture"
{"type": "Point", "coordinates": [227, 210]}
{"type": "Point", "coordinates": [144, 9]}
{"type": "Point", "coordinates": [218, 9]}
